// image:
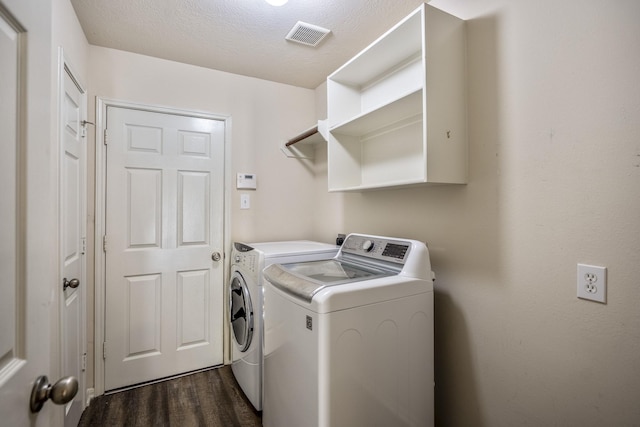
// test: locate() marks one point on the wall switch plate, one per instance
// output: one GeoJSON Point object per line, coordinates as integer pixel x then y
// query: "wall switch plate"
{"type": "Point", "coordinates": [245, 201]}
{"type": "Point", "coordinates": [592, 283]}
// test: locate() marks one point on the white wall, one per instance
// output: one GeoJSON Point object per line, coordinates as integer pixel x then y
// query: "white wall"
{"type": "Point", "coordinates": [68, 34]}
{"type": "Point", "coordinates": [554, 125]}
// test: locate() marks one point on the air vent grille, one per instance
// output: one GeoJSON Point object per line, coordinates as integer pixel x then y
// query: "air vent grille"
{"type": "Point", "coordinates": [307, 34]}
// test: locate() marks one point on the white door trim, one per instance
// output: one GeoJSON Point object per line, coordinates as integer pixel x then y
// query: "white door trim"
{"type": "Point", "coordinates": [100, 173]}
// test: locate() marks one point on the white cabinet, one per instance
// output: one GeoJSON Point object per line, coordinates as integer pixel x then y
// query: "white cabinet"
{"type": "Point", "coordinates": [397, 110]}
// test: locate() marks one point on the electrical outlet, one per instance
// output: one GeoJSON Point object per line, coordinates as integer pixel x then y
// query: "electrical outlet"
{"type": "Point", "coordinates": [592, 283]}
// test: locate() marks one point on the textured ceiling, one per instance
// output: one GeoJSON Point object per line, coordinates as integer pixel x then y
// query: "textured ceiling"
{"type": "Point", "coordinates": [244, 37]}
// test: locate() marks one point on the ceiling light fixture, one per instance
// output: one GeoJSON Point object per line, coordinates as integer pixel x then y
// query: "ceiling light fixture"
{"type": "Point", "coordinates": [276, 2]}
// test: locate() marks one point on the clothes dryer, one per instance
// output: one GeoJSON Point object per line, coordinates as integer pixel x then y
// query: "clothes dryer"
{"type": "Point", "coordinates": [245, 302]}
{"type": "Point", "coordinates": [349, 341]}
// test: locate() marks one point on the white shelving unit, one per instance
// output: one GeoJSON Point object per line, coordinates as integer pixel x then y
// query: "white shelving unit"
{"type": "Point", "coordinates": [397, 110]}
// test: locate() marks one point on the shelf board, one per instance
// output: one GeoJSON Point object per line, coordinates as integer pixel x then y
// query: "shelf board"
{"type": "Point", "coordinates": [393, 47]}
{"type": "Point", "coordinates": [381, 185]}
{"type": "Point", "coordinates": [405, 107]}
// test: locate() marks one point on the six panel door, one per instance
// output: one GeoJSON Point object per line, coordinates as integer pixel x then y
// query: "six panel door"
{"type": "Point", "coordinates": [164, 220]}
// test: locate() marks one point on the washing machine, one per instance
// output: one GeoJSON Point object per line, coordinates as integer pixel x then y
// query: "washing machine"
{"type": "Point", "coordinates": [349, 341]}
{"type": "Point", "coordinates": [245, 301]}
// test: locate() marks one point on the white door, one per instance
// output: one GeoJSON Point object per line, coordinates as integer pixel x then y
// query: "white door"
{"type": "Point", "coordinates": [72, 233]}
{"type": "Point", "coordinates": [164, 226]}
{"type": "Point", "coordinates": [28, 226]}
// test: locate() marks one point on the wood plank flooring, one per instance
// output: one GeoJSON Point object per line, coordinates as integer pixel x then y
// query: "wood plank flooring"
{"type": "Point", "coordinates": [210, 398]}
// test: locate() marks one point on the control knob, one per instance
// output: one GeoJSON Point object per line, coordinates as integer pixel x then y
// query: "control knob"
{"type": "Point", "coordinates": [367, 246]}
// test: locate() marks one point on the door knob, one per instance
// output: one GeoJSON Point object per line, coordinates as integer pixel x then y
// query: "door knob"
{"type": "Point", "coordinates": [216, 256]}
{"type": "Point", "coordinates": [73, 283]}
{"type": "Point", "coordinates": [60, 393]}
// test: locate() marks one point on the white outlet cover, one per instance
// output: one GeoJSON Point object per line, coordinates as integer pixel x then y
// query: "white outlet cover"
{"type": "Point", "coordinates": [592, 283]}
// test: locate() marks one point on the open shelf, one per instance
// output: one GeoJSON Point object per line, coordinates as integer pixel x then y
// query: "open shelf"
{"type": "Point", "coordinates": [382, 117]}
{"type": "Point", "coordinates": [396, 111]}
{"type": "Point", "coordinates": [392, 48]}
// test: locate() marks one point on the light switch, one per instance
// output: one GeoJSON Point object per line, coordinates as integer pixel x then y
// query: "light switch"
{"type": "Point", "coordinates": [245, 201]}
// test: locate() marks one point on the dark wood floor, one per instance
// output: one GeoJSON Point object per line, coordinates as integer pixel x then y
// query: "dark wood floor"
{"type": "Point", "coordinates": [211, 398]}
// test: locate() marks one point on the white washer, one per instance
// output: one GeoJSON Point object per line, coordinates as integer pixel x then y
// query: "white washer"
{"type": "Point", "coordinates": [349, 341]}
{"type": "Point", "coordinates": [245, 301]}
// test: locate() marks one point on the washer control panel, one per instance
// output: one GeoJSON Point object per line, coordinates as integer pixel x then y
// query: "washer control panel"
{"type": "Point", "coordinates": [390, 250]}
{"type": "Point", "coordinates": [245, 257]}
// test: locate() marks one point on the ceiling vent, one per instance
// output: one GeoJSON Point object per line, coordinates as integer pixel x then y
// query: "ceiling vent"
{"type": "Point", "coordinates": [307, 34]}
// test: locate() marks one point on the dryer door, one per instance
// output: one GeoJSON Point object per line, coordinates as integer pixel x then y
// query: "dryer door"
{"type": "Point", "coordinates": [241, 311]}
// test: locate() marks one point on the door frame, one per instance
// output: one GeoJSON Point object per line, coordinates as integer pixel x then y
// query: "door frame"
{"type": "Point", "coordinates": [100, 197]}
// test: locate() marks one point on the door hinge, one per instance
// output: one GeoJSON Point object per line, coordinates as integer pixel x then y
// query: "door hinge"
{"type": "Point", "coordinates": [104, 140]}
{"type": "Point", "coordinates": [104, 243]}
{"type": "Point", "coordinates": [84, 362]}
{"type": "Point", "coordinates": [104, 350]}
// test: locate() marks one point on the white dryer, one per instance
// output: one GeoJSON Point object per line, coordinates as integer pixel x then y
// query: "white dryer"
{"type": "Point", "coordinates": [245, 302]}
{"type": "Point", "coordinates": [349, 341]}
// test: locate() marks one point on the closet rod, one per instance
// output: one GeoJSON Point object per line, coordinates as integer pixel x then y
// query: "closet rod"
{"type": "Point", "coordinates": [302, 136]}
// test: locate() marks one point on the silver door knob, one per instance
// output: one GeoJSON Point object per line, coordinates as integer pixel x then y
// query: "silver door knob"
{"type": "Point", "coordinates": [60, 393]}
{"type": "Point", "coordinates": [73, 283]}
{"type": "Point", "coordinates": [216, 256]}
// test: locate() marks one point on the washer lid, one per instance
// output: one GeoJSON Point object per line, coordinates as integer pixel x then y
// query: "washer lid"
{"type": "Point", "coordinates": [293, 247]}
{"type": "Point", "coordinates": [305, 279]}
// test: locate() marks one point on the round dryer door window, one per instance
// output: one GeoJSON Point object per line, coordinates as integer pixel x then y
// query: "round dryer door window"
{"type": "Point", "coordinates": [241, 312]}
